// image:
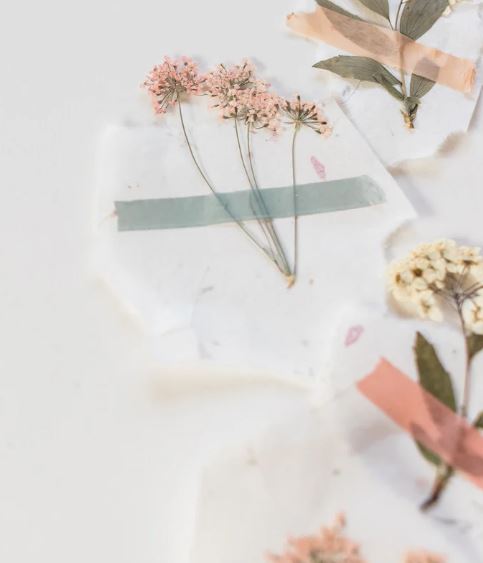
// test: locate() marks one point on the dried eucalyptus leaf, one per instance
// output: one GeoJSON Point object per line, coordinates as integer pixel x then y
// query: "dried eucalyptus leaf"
{"type": "Point", "coordinates": [359, 68]}
{"type": "Point", "coordinates": [381, 7]}
{"type": "Point", "coordinates": [475, 344]}
{"type": "Point", "coordinates": [432, 376]}
{"type": "Point", "coordinates": [331, 6]}
{"type": "Point", "coordinates": [420, 15]}
{"type": "Point", "coordinates": [420, 86]}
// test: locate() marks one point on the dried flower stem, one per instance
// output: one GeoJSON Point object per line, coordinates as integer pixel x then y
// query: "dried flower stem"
{"type": "Point", "coordinates": [268, 223]}
{"type": "Point", "coordinates": [294, 191]}
{"type": "Point", "coordinates": [240, 224]}
{"type": "Point", "coordinates": [261, 222]}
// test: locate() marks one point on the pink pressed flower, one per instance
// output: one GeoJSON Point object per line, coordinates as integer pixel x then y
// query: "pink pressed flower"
{"type": "Point", "coordinates": [239, 94]}
{"type": "Point", "coordinates": [169, 80]}
{"type": "Point", "coordinates": [330, 546]}
{"type": "Point", "coordinates": [423, 557]}
{"type": "Point", "coordinates": [306, 113]}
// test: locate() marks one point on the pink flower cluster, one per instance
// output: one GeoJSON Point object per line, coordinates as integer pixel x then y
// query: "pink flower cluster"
{"type": "Point", "coordinates": [240, 95]}
{"type": "Point", "coordinates": [237, 92]}
{"type": "Point", "coordinates": [423, 557]}
{"type": "Point", "coordinates": [168, 81]}
{"type": "Point", "coordinates": [330, 545]}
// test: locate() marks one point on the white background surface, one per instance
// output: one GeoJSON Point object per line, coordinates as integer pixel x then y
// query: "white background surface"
{"type": "Point", "coordinates": [98, 448]}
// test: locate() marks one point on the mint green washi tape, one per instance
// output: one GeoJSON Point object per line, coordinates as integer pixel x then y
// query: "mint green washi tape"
{"type": "Point", "coordinates": [203, 210]}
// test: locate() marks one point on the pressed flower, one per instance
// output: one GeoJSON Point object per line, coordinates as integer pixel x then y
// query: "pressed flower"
{"type": "Point", "coordinates": [424, 557]}
{"type": "Point", "coordinates": [306, 113]}
{"type": "Point", "coordinates": [171, 79]}
{"type": "Point", "coordinates": [436, 273]}
{"type": "Point", "coordinates": [329, 546]}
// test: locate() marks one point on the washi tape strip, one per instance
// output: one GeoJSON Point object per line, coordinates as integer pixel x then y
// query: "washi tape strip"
{"type": "Point", "coordinates": [199, 211]}
{"type": "Point", "coordinates": [427, 419]}
{"type": "Point", "coordinates": [384, 45]}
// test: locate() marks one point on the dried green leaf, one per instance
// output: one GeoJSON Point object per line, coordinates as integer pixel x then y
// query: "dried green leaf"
{"type": "Point", "coordinates": [432, 376]}
{"type": "Point", "coordinates": [420, 86]}
{"type": "Point", "coordinates": [430, 456]}
{"type": "Point", "coordinates": [475, 344]}
{"type": "Point", "coordinates": [479, 421]}
{"type": "Point", "coordinates": [359, 68]}
{"type": "Point", "coordinates": [419, 16]}
{"type": "Point", "coordinates": [383, 81]}
{"type": "Point", "coordinates": [331, 6]}
{"type": "Point", "coordinates": [435, 380]}
{"type": "Point", "coordinates": [381, 7]}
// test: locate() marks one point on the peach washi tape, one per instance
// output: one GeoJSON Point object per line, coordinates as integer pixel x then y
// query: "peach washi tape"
{"type": "Point", "coordinates": [386, 46]}
{"type": "Point", "coordinates": [427, 419]}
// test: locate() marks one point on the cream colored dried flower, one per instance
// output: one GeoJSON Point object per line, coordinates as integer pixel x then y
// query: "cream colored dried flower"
{"type": "Point", "coordinates": [437, 273]}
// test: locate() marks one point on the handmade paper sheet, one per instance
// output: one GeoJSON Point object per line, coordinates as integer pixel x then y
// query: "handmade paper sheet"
{"type": "Point", "coordinates": [205, 293]}
{"type": "Point", "coordinates": [443, 112]}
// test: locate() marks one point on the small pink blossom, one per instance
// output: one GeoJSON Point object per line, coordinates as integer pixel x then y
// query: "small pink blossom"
{"type": "Point", "coordinates": [171, 79]}
{"type": "Point", "coordinates": [423, 557]}
{"type": "Point", "coordinates": [239, 94]}
{"type": "Point", "coordinates": [330, 546]}
{"type": "Point", "coordinates": [306, 113]}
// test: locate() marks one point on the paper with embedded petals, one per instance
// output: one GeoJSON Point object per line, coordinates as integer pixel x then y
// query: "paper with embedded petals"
{"type": "Point", "coordinates": [206, 293]}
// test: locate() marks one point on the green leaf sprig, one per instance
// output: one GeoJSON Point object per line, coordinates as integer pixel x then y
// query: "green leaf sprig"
{"type": "Point", "coordinates": [413, 19]}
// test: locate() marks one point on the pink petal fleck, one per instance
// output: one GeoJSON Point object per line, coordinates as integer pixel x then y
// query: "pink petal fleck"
{"type": "Point", "coordinates": [353, 335]}
{"type": "Point", "coordinates": [319, 168]}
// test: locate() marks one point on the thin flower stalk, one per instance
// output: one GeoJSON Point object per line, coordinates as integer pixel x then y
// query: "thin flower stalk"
{"type": "Point", "coordinates": [301, 114]}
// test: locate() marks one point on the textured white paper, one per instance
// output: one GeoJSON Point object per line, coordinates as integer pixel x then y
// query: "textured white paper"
{"type": "Point", "coordinates": [344, 455]}
{"type": "Point", "coordinates": [208, 289]}
{"type": "Point", "coordinates": [377, 115]}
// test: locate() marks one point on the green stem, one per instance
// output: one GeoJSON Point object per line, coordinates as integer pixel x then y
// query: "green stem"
{"type": "Point", "coordinates": [217, 195]}
{"type": "Point", "coordinates": [268, 221]}
{"type": "Point", "coordinates": [294, 193]}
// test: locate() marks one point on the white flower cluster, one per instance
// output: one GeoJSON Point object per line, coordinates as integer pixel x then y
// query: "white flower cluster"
{"type": "Point", "coordinates": [438, 270]}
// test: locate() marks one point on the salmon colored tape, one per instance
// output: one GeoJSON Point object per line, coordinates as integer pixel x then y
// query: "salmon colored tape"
{"type": "Point", "coordinates": [386, 46]}
{"type": "Point", "coordinates": [427, 419]}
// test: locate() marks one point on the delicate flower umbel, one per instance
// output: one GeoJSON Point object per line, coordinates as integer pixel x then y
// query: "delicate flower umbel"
{"type": "Point", "coordinates": [171, 79]}
{"type": "Point", "coordinates": [224, 84]}
{"type": "Point", "coordinates": [438, 273]}
{"type": "Point", "coordinates": [423, 557]}
{"type": "Point", "coordinates": [330, 546]}
{"type": "Point", "coordinates": [240, 95]}
{"type": "Point", "coordinates": [306, 113]}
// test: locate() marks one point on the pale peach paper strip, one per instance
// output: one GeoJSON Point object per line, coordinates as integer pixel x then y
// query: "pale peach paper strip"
{"type": "Point", "coordinates": [428, 420]}
{"type": "Point", "coordinates": [386, 46]}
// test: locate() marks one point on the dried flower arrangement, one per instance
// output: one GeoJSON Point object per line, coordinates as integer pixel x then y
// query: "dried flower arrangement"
{"type": "Point", "coordinates": [242, 98]}
{"type": "Point", "coordinates": [437, 278]}
{"type": "Point", "coordinates": [332, 546]}
{"type": "Point", "coordinates": [413, 19]}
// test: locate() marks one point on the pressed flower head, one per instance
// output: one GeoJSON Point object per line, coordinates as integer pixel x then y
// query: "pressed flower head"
{"type": "Point", "coordinates": [440, 272]}
{"type": "Point", "coordinates": [423, 557]}
{"type": "Point", "coordinates": [330, 546]}
{"type": "Point", "coordinates": [171, 79]}
{"type": "Point", "coordinates": [240, 95]}
{"type": "Point", "coordinates": [305, 113]}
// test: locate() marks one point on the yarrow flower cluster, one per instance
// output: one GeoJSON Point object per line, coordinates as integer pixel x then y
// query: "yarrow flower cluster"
{"type": "Point", "coordinates": [306, 113]}
{"type": "Point", "coordinates": [238, 94]}
{"type": "Point", "coordinates": [330, 546]}
{"type": "Point", "coordinates": [424, 557]}
{"type": "Point", "coordinates": [168, 81]}
{"type": "Point", "coordinates": [438, 273]}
